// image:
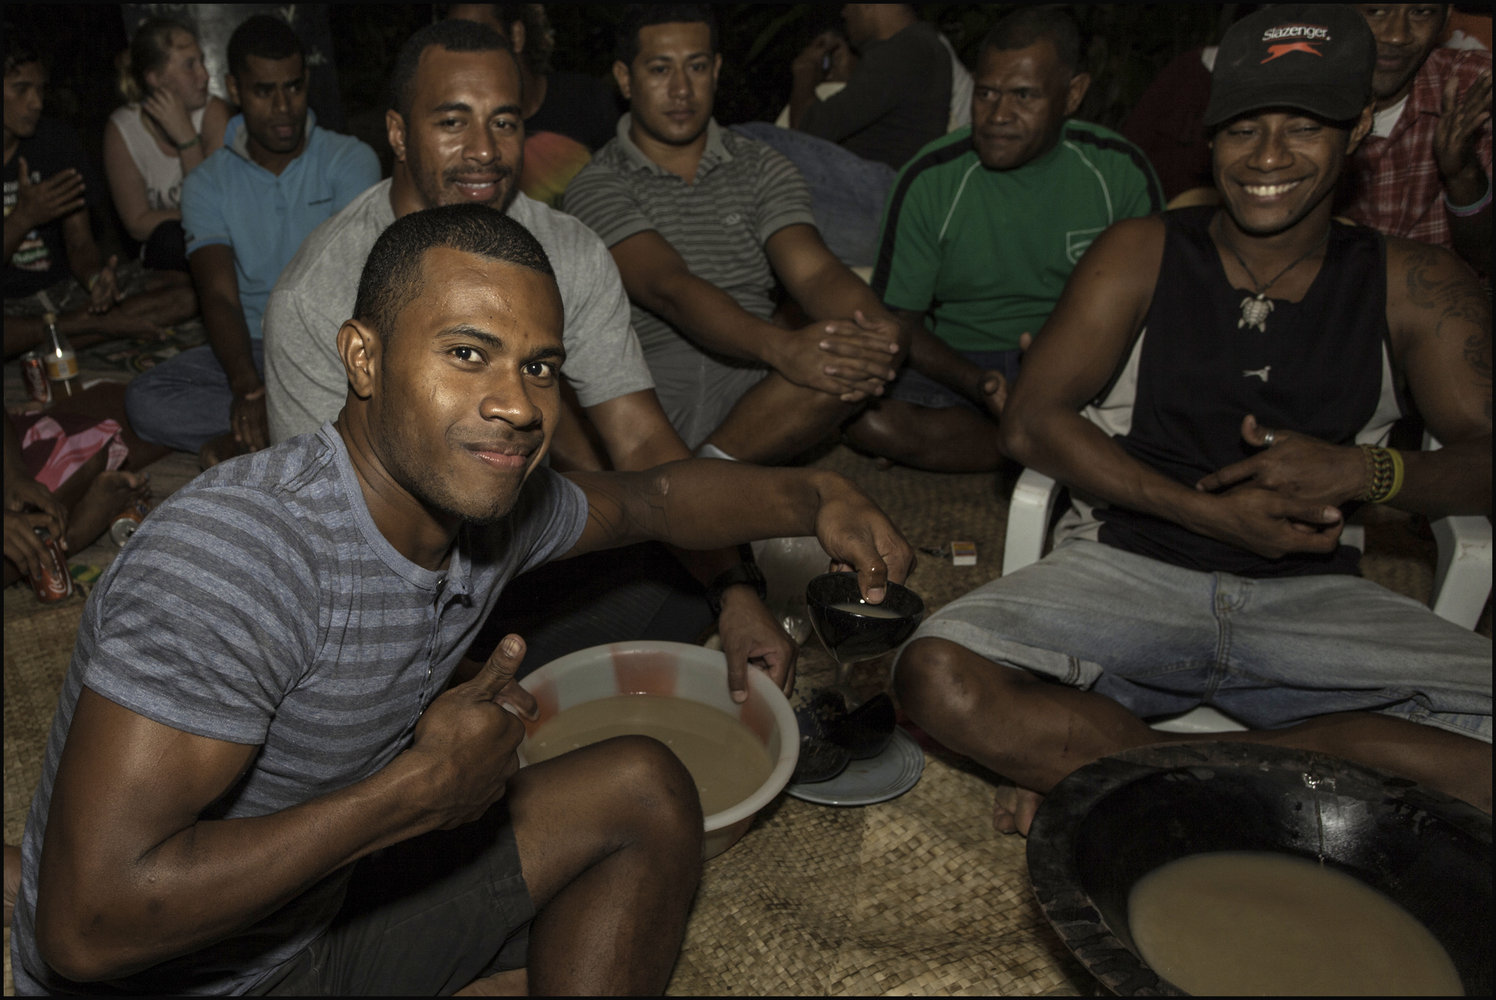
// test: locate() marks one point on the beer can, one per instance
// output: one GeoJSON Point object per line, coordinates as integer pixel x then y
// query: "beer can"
{"type": "Point", "coordinates": [126, 521]}
{"type": "Point", "coordinates": [55, 582]}
{"type": "Point", "coordinates": [34, 372]}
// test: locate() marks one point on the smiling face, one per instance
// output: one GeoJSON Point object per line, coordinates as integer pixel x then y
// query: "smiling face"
{"type": "Point", "coordinates": [1405, 34]}
{"type": "Point", "coordinates": [272, 95]}
{"type": "Point", "coordinates": [1019, 102]}
{"type": "Point", "coordinates": [464, 140]}
{"type": "Point", "coordinates": [1275, 168]}
{"type": "Point", "coordinates": [465, 392]}
{"type": "Point", "coordinates": [183, 73]}
{"type": "Point", "coordinates": [672, 84]}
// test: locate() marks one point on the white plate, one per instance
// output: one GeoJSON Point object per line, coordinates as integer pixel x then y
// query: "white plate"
{"type": "Point", "coordinates": [876, 779]}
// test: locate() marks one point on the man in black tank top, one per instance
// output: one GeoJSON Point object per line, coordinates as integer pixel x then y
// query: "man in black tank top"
{"type": "Point", "coordinates": [1216, 387]}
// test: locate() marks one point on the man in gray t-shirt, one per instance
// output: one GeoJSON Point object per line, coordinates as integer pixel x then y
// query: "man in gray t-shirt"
{"type": "Point", "coordinates": [457, 137]}
{"type": "Point", "coordinates": [314, 295]}
{"type": "Point", "coordinates": [272, 771]}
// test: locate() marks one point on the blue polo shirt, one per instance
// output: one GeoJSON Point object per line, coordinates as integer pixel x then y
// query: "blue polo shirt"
{"type": "Point", "coordinates": [232, 200]}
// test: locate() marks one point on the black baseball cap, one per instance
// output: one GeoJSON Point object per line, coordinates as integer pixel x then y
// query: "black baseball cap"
{"type": "Point", "coordinates": [1313, 57]}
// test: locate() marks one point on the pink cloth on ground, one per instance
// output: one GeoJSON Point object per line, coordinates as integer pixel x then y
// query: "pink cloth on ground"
{"type": "Point", "coordinates": [56, 446]}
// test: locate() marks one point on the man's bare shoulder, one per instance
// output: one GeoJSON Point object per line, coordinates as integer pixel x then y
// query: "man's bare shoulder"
{"type": "Point", "coordinates": [1140, 232]}
{"type": "Point", "coordinates": [1127, 253]}
{"type": "Point", "coordinates": [1431, 284]}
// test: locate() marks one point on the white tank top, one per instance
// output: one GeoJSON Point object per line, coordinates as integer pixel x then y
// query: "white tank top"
{"type": "Point", "coordinates": [162, 173]}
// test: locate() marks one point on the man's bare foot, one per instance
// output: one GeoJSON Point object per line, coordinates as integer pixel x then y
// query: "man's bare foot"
{"type": "Point", "coordinates": [12, 879]}
{"type": "Point", "coordinates": [513, 983]}
{"type": "Point", "coordinates": [107, 496]}
{"type": "Point", "coordinates": [1013, 809]}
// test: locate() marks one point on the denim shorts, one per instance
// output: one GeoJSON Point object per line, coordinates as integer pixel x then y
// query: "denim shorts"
{"type": "Point", "coordinates": [186, 401]}
{"type": "Point", "coordinates": [1271, 653]}
{"type": "Point", "coordinates": [422, 918]}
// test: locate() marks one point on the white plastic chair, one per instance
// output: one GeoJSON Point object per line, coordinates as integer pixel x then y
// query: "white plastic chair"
{"type": "Point", "coordinates": [1462, 576]}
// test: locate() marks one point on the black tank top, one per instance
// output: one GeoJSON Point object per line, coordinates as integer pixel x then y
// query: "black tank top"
{"type": "Point", "coordinates": [1319, 368]}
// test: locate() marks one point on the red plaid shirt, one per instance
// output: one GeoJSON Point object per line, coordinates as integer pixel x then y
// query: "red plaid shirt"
{"type": "Point", "coordinates": [1392, 183]}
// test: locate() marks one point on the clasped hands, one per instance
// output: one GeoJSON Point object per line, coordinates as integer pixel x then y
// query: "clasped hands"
{"type": "Point", "coordinates": [852, 360]}
{"type": "Point", "coordinates": [1287, 497]}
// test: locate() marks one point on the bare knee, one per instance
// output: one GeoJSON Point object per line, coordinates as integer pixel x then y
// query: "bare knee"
{"type": "Point", "coordinates": [953, 439]}
{"type": "Point", "coordinates": [938, 681]}
{"type": "Point", "coordinates": [653, 796]}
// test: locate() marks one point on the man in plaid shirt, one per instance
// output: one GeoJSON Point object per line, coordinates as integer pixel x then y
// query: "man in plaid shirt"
{"type": "Point", "coordinates": [1425, 171]}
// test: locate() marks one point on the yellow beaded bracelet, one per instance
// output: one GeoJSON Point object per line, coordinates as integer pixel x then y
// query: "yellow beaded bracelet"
{"type": "Point", "coordinates": [1384, 474]}
{"type": "Point", "coordinates": [1397, 475]}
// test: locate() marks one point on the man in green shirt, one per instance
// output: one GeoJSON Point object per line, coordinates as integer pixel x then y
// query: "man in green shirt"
{"type": "Point", "coordinates": [980, 234]}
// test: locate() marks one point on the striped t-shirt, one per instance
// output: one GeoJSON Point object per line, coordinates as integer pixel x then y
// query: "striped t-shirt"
{"type": "Point", "coordinates": [261, 605]}
{"type": "Point", "coordinates": [744, 192]}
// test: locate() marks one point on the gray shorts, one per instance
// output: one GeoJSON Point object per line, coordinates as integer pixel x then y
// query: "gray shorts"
{"type": "Point", "coordinates": [1271, 653]}
{"type": "Point", "coordinates": [696, 389]}
{"type": "Point", "coordinates": [422, 918]}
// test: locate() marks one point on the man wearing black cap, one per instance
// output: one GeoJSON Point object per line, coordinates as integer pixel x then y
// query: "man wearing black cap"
{"type": "Point", "coordinates": [1216, 387]}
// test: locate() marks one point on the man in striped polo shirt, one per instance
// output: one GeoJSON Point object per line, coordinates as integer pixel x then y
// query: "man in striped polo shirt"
{"type": "Point", "coordinates": [981, 230]}
{"type": "Point", "coordinates": [701, 221]}
{"type": "Point", "coordinates": [273, 771]}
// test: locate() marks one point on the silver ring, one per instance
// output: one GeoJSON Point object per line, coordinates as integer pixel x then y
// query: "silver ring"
{"type": "Point", "coordinates": [1268, 437]}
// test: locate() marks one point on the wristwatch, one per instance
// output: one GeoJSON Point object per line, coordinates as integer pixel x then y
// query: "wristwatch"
{"type": "Point", "coordinates": [742, 573]}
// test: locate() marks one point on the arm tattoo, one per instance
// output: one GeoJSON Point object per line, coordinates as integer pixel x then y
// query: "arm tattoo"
{"type": "Point", "coordinates": [1460, 306]}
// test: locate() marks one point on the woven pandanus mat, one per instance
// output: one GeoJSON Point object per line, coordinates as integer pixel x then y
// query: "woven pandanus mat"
{"type": "Point", "coordinates": [38, 646]}
{"type": "Point", "coordinates": [932, 510]}
{"type": "Point", "coordinates": [917, 895]}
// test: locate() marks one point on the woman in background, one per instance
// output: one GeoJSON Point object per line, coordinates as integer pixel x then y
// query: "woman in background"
{"type": "Point", "coordinates": [168, 125]}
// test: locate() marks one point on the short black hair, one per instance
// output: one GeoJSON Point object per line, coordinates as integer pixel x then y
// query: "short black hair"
{"type": "Point", "coordinates": [393, 272]}
{"type": "Point", "coordinates": [454, 35]}
{"type": "Point", "coordinates": [20, 49]}
{"type": "Point", "coordinates": [263, 36]}
{"type": "Point", "coordinates": [637, 16]}
{"type": "Point", "coordinates": [1031, 25]}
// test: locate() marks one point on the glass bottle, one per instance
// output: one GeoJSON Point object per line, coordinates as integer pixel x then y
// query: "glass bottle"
{"type": "Point", "coordinates": [59, 357]}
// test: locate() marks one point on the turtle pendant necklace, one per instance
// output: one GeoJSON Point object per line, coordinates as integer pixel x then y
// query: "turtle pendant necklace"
{"type": "Point", "coordinates": [1255, 308]}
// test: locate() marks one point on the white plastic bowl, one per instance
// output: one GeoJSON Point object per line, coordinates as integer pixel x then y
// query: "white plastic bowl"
{"type": "Point", "coordinates": [683, 671]}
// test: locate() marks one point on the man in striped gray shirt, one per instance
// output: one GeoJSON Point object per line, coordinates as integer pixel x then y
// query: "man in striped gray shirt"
{"type": "Point", "coordinates": [701, 221]}
{"type": "Point", "coordinates": [261, 777]}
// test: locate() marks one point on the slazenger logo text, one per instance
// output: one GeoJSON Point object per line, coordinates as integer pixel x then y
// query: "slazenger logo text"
{"type": "Point", "coordinates": [1309, 32]}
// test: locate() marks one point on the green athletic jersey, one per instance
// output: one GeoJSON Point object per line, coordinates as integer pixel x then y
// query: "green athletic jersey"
{"type": "Point", "coordinates": [986, 252]}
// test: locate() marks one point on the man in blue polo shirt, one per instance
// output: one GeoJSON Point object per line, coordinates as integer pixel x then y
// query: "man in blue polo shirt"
{"type": "Point", "coordinates": [246, 211]}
